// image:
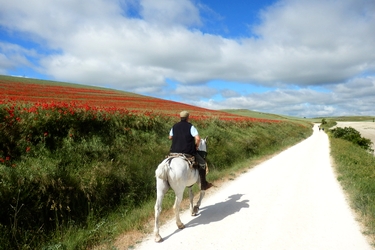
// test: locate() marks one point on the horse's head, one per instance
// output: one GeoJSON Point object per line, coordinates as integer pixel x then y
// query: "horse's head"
{"type": "Point", "coordinates": [203, 145]}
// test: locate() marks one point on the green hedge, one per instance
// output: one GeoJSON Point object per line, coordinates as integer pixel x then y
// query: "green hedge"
{"type": "Point", "coordinates": [352, 135]}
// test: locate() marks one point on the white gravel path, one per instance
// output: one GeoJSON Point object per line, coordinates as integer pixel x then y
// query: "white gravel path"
{"type": "Point", "coordinates": [292, 201]}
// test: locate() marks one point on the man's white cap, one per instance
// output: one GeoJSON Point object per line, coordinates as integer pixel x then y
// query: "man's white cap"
{"type": "Point", "coordinates": [184, 114]}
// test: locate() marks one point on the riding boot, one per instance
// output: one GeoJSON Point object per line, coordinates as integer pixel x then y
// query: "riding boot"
{"type": "Point", "coordinates": [204, 184]}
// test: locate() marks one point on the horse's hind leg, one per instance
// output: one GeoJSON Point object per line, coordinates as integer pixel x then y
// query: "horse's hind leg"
{"type": "Point", "coordinates": [194, 210]}
{"type": "Point", "coordinates": [176, 207]}
{"type": "Point", "coordinates": [161, 188]}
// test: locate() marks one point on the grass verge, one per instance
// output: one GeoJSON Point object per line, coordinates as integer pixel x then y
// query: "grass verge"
{"type": "Point", "coordinates": [355, 169]}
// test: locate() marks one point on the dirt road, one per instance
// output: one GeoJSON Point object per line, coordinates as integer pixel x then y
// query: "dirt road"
{"type": "Point", "coordinates": [292, 201]}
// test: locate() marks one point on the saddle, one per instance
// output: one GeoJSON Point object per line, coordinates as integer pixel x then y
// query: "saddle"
{"type": "Point", "coordinates": [189, 158]}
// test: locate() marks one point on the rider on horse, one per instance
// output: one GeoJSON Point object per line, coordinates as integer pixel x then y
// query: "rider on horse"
{"type": "Point", "coordinates": [185, 140]}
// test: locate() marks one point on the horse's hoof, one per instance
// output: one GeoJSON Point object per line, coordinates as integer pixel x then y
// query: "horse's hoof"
{"type": "Point", "coordinates": [158, 239]}
{"type": "Point", "coordinates": [195, 211]}
{"type": "Point", "coordinates": [182, 226]}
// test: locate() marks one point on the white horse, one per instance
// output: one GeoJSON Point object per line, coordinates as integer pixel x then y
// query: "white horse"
{"type": "Point", "coordinates": [176, 174]}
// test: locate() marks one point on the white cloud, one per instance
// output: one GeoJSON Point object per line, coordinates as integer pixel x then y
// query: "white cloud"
{"type": "Point", "coordinates": [194, 92]}
{"type": "Point", "coordinates": [11, 56]}
{"type": "Point", "coordinates": [355, 97]}
{"type": "Point", "coordinates": [170, 12]}
{"type": "Point", "coordinates": [302, 42]}
{"type": "Point", "coordinates": [229, 93]}
{"type": "Point", "coordinates": [305, 43]}
{"type": "Point", "coordinates": [361, 88]}
{"type": "Point", "coordinates": [317, 42]}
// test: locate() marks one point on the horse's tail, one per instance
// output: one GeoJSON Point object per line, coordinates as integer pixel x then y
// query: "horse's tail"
{"type": "Point", "coordinates": [162, 170]}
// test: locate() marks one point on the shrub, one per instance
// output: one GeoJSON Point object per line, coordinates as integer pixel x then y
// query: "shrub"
{"type": "Point", "coordinates": [352, 135]}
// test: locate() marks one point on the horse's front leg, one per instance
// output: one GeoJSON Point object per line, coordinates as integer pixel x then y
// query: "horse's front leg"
{"type": "Point", "coordinates": [194, 210]}
{"type": "Point", "coordinates": [176, 208]}
{"type": "Point", "coordinates": [161, 188]}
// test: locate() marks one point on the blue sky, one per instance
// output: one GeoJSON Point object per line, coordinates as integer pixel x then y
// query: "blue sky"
{"type": "Point", "coordinates": [293, 57]}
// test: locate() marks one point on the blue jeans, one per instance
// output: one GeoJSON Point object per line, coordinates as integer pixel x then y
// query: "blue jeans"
{"type": "Point", "coordinates": [200, 157]}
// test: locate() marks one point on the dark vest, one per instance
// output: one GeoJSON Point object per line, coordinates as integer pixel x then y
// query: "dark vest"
{"type": "Point", "coordinates": [182, 140]}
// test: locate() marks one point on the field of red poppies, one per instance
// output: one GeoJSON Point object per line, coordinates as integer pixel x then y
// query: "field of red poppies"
{"type": "Point", "coordinates": [46, 94]}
